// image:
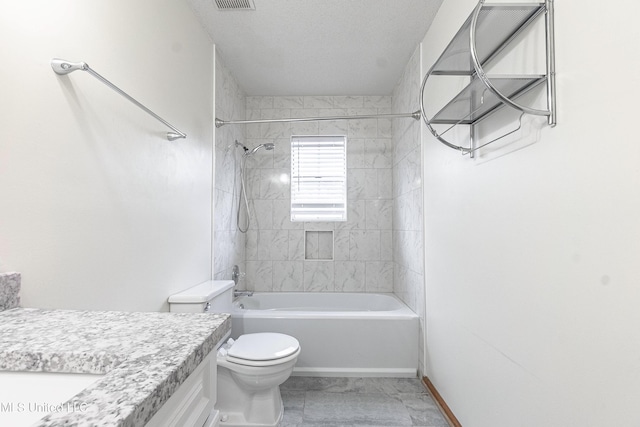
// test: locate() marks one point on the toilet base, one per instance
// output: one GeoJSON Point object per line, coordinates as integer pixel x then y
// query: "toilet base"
{"type": "Point", "coordinates": [237, 419]}
{"type": "Point", "coordinates": [242, 406]}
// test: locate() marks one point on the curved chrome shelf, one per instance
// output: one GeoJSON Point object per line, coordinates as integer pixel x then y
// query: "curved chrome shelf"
{"type": "Point", "coordinates": [477, 101]}
{"type": "Point", "coordinates": [485, 33]}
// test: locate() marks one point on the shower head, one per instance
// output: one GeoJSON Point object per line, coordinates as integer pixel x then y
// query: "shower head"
{"type": "Point", "coordinates": [268, 146]}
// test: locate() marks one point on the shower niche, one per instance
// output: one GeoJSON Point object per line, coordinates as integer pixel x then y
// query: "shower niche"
{"type": "Point", "coordinates": [318, 245]}
{"type": "Point", "coordinates": [487, 32]}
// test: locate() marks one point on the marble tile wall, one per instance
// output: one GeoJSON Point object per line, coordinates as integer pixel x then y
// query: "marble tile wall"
{"type": "Point", "coordinates": [362, 246]}
{"type": "Point", "coordinates": [379, 248]}
{"type": "Point", "coordinates": [408, 244]}
{"type": "Point", "coordinates": [229, 243]}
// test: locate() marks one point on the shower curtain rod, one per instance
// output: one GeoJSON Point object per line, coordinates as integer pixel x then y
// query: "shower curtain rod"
{"type": "Point", "coordinates": [62, 67]}
{"type": "Point", "coordinates": [415, 115]}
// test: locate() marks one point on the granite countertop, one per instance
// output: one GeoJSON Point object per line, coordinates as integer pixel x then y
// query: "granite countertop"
{"type": "Point", "coordinates": [145, 356]}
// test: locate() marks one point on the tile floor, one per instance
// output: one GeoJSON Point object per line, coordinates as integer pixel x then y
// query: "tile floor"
{"type": "Point", "coordinates": [343, 402]}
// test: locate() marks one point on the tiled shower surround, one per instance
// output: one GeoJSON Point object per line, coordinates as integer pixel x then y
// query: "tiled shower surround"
{"type": "Point", "coordinates": [229, 243]}
{"type": "Point", "coordinates": [378, 249]}
{"type": "Point", "coordinates": [408, 240]}
{"type": "Point", "coordinates": [280, 254]}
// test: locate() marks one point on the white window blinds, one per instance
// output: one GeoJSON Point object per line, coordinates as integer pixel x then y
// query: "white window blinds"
{"type": "Point", "coordinates": [318, 178]}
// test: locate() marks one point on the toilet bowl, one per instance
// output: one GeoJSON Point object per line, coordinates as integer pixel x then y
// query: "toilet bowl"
{"type": "Point", "coordinates": [250, 371]}
{"type": "Point", "coordinates": [250, 368]}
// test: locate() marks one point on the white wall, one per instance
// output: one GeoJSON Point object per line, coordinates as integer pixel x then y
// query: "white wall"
{"type": "Point", "coordinates": [532, 265]}
{"type": "Point", "coordinates": [97, 209]}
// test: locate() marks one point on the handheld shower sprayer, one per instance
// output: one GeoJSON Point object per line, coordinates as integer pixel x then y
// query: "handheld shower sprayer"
{"type": "Point", "coordinates": [243, 193]}
{"type": "Point", "coordinates": [267, 146]}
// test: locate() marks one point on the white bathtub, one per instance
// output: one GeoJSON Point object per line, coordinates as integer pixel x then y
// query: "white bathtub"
{"type": "Point", "coordinates": [341, 334]}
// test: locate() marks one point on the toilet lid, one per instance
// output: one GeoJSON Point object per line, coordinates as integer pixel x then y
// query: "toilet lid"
{"type": "Point", "coordinates": [263, 346]}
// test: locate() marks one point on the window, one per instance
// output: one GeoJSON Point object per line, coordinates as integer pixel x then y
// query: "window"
{"type": "Point", "coordinates": [318, 178]}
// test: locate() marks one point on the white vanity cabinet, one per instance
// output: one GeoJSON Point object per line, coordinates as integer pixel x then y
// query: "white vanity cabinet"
{"type": "Point", "coordinates": [192, 403]}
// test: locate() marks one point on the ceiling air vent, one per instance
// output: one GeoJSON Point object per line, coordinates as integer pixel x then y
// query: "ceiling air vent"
{"type": "Point", "coordinates": [235, 5]}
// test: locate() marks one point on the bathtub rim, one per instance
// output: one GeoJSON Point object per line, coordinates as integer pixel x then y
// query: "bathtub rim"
{"type": "Point", "coordinates": [402, 312]}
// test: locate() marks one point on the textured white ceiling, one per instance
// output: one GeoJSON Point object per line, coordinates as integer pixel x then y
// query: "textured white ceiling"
{"type": "Point", "coordinates": [318, 47]}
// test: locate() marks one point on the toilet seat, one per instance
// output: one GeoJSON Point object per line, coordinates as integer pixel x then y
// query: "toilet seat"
{"type": "Point", "coordinates": [263, 349]}
{"type": "Point", "coordinates": [261, 363]}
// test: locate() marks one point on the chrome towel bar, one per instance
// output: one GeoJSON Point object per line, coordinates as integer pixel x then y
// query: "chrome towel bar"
{"type": "Point", "coordinates": [62, 67]}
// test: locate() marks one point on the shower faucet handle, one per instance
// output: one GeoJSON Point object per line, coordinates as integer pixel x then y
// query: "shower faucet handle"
{"type": "Point", "coordinates": [237, 293]}
{"type": "Point", "coordinates": [235, 274]}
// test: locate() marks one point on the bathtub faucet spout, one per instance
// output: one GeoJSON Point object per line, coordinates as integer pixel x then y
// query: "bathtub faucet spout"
{"type": "Point", "coordinates": [237, 293]}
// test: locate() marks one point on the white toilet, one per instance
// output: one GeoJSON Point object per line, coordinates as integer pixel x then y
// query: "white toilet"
{"type": "Point", "coordinates": [250, 368]}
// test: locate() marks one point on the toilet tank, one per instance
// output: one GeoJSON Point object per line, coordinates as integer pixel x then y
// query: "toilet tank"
{"type": "Point", "coordinates": [214, 296]}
